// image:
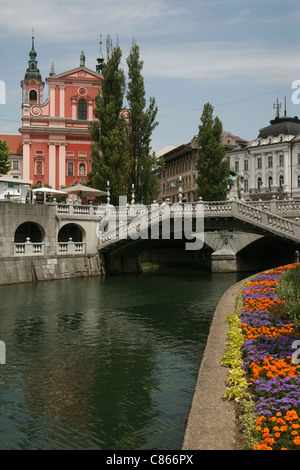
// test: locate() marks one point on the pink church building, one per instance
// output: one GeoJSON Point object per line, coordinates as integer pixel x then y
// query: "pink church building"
{"type": "Point", "coordinates": [55, 136]}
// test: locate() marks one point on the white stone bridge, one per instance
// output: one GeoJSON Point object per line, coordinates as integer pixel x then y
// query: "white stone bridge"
{"type": "Point", "coordinates": [228, 227]}
{"type": "Point", "coordinates": [234, 235]}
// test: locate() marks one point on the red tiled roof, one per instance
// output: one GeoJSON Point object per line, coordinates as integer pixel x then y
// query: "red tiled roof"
{"type": "Point", "coordinates": [14, 143]}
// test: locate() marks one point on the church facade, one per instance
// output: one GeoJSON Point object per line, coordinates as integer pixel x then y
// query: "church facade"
{"type": "Point", "coordinates": [55, 134]}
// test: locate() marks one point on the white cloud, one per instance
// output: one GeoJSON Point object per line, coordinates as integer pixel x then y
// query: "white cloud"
{"type": "Point", "coordinates": [221, 60]}
{"type": "Point", "coordinates": [73, 19]}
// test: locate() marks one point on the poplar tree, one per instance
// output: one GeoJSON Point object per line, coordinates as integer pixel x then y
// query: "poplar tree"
{"type": "Point", "coordinates": [142, 121]}
{"type": "Point", "coordinates": [5, 164]}
{"type": "Point", "coordinates": [212, 166]}
{"type": "Point", "coordinates": [109, 148]}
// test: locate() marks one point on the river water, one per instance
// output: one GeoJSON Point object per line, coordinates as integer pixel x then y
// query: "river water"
{"type": "Point", "coordinates": [104, 363]}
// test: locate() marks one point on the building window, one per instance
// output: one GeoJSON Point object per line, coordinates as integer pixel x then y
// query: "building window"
{"type": "Point", "coordinates": [15, 165]}
{"type": "Point", "coordinates": [281, 160]}
{"type": "Point", "coordinates": [70, 169]}
{"type": "Point", "coordinates": [259, 183]}
{"type": "Point", "coordinates": [237, 166]}
{"type": "Point", "coordinates": [82, 154]}
{"type": "Point", "coordinates": [82, 110]}
{"type": "Point", "coordinates": [246, 186]}
{"type": "Point", "coordinates": [270, 182]}
{"type": "Point", "coordinates": [70, 154]}
{"type": "Point", "coordinates": [259, 162]}
{"type": "Point", "coordinates": [281, 181]}
{"type": "Point", "coordinates": [270, 161]}
{"type": "Point", "coordinates": [298, 181]}
{"type": "Point", "coordinates": [246, 165]}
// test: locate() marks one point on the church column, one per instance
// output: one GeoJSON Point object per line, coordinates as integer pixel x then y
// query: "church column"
{"type": "Point", "coordinates": [52, 164]}
{"type": "Point", "coordinates": [62, 101]}
{"type": "Point", "coordinates": [74, 107]}
{"type": "Point", "coordinates": [62, 165]}
{"type": "Point", "coordinates": [52, 100]}
{"type": "Point", "coordinates": [26, 160]}
{"type": "Point", "coordinates": [90, 109]}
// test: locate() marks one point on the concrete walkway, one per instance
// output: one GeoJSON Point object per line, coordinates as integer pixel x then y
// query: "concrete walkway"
{"type": "Point", "coordinates": [212, 422]}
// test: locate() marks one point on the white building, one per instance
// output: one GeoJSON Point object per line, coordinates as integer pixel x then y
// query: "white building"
{"type": "Point", "coordinates": [270, 164]}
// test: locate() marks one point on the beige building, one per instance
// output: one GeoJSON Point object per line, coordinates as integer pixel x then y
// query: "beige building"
{"type": "Point", "coordinates": [181, 162]}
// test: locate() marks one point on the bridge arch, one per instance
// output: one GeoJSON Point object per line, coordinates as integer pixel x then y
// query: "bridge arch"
{"type": "Point", "coordinates": [71, 230]}
{"type": "Point", "coordinates": [31, 230]}
{"type": "Point", "coordinates": [266, 252]}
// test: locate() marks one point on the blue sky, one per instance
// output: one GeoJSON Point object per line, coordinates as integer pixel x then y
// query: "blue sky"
{"type": "Point", "coordinates": [239, 55]}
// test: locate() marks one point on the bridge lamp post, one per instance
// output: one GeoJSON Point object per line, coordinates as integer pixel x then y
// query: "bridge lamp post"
{"type": "Point", "coordinates": [132, 194]}
{"type": "Point", "coordinates": [180, 190]}
{"type": "Point", "coordinates": [108, 193]}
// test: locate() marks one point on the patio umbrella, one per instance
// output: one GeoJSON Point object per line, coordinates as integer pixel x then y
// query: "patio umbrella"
{"type": "Point", "coordinates": [84, 191]}
{"type": "Point", "coordinates": [54, 192]}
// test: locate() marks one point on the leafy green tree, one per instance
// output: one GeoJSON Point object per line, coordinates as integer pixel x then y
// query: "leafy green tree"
{"type": "Point", "coordinates": [5, 164]}
{"type": "Point", "coordinates": [110, 146]}
{"type": "Point", "coordinates": [212, 166]}
{"type": "Point", "coordinates": [142, 122]}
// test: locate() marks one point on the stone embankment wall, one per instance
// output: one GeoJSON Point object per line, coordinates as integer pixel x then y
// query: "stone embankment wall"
{"type": "Point", "coordinates": [49, 264]}
{"type": "Point", "coordinates": [45, 268]}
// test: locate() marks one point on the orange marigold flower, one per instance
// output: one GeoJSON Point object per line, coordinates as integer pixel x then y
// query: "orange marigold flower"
{"type": "Point", "coordinates": [297, 441]}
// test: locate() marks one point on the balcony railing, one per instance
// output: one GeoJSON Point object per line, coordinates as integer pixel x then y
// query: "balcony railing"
{"type": "Point", "coordinates": [34, 249]}
{"type": "Point", "coordinates": [70, 248]}
{"type": "Point", "coordinates": [28, 248]}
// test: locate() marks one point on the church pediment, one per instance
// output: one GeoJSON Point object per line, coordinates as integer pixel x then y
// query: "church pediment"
{"type": "Point", "coordinates": [80, 73]}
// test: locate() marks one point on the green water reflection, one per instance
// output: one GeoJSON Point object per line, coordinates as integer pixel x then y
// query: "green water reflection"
{"type": "Point", "coordinates": [104, 363]}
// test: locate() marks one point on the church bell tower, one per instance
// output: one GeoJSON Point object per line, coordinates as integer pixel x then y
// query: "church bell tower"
{"type": "Point", "coordinates": [32, 85]}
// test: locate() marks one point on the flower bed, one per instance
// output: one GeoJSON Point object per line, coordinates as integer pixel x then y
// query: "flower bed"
{"type": "Point", "coordinates": [261, 355]}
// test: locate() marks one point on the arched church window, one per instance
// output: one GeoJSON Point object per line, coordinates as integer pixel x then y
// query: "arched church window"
{"type": "Point", "coordinates": [82, 109]}
{"type": "Point", "coordinates": [33, 95]}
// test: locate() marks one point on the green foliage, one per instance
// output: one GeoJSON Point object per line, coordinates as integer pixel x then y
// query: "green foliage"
{"type": "Point", "coordinates": [212, 166]}
{"type": "Point", "coordinates": [248, 419]}
{"type": "Point", "coordinates": [110, 147]}
{"type": "Point", "coordinates": [142, 123]}
{"type": "Point", "coordinates": [5, 164]}
{"type": "Point", "coordinates": [233, 360]}
{"type": "Point", "coordinates": [288, 289]}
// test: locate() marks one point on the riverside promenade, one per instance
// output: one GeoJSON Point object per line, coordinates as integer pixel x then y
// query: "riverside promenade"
{"type": "Point", "coordinates": [212, 423]}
